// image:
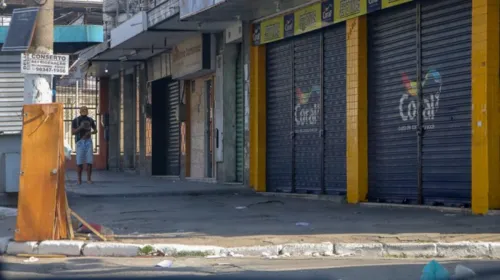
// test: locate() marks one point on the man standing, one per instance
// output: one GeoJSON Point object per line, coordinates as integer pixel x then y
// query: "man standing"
{"type": "Point", "coordinates": [83, 127]}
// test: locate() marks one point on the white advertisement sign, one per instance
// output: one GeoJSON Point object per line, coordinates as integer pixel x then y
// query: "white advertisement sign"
{"type": "Point", "coordinates": [187, 57]}
{"type": "Point", "coordinates": [46, 64]}
{"type": "Point", "coordinates": [192, 7]}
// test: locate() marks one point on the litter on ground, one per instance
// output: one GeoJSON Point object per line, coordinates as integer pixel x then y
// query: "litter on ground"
{"type": "Point", "coordinates": [31, 260]}
{"type": "Point", "coordinates": [164, 264]}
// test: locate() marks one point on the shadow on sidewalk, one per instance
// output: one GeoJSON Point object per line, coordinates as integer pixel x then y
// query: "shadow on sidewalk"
{"type": "Point", "coordinates": [118, 184]}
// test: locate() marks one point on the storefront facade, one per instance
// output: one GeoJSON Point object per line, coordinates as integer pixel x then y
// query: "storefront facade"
{"type": "Point", "coordinates": [376, 100]}
{"type": "Point", "coordinates": [306, 112]}
{"type": "Point", "coordinates": [229, 107]}
{"type": "Point", "coordinates": [193, 65]}
{"type": "Point", "coordinates": [420, 155]}
{"type": "Point", "coordinates": [209, 68]}
{"type": "Point", "coordinates": [176, 96]}
{"type": "Point", "coordinates": [165, 127]}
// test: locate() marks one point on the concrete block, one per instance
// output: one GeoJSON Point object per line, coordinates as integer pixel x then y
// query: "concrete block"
{"type": "Point", "coordinates": [30, 247]}
{"type": "Point", "coordinates": [104, 249]}
{"type": "Point", "coordinates": [254, 251]}
{"type": "Point", "coordinates": [305, 249]}
{"type": "Point", "coordinates": [4, 242]}
{"type": "Point", "coordinates": [370, 250]}
{"type": "Point", "coordinates": [60, 247]}
{"type": "Point", "coordinates": [187, 250]}
{"type": "Point", "coordinates": [463, 250]}
{"type": "Point", "coordinates": [411, 249]}
{"type": "Point", "coordinates": [495, 250]}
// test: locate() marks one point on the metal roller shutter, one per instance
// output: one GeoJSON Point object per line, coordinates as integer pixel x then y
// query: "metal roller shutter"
{"type": "Point", "coordinates": [432, 166]}
{"type": "Point", "coordinates": [392, 141]}
{"type": "Point", "coordinates": [173, 145]}
{"type": "Point", "coordinates": [446, 85]}
{"type": "Point", "coordinates": [279, 59]}
{"type": "Point", "coordinates": [11, 94]}
{"type": "Point", "coordinates": [334, 90]}
{"type": "Point", "coordinates": [240, 114]}
{"type": "Point", "coordinates": [307, 113]}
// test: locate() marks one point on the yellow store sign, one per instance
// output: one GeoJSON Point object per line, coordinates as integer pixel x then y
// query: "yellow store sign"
{"type": "Point", "coordinates": [347, 9]}
{"type": "Point", "coordinates": [307, 19]}
{"type": "Point", "coordinates": [316, 16]}
{"type": "Point", "coordinates": [392, 3]}
{"type": "Point", "coordinates": [272, 30]}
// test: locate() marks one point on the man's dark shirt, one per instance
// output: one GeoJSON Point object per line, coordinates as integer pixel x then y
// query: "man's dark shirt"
{"type": "Point", "coordinates": [88, 124]}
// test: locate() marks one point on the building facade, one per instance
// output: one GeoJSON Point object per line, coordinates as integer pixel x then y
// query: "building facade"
{"type": "Point", "coordinates": [384, 101]}
{"type": "Point", "coordinates": [380, 104]}
{"type": "Point", "coordinates": [175, 96]}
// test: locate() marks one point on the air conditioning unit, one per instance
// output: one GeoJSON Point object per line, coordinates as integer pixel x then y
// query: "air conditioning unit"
{"type": "Point", "coordinates": [234, 33]}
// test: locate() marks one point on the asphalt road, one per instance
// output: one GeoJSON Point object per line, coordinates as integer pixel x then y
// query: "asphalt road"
{"type": "Point", "coordinates": [229, 268]}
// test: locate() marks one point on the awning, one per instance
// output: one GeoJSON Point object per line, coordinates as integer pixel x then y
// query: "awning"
{"type": "Point", "coordinates": [244, 10]}
{"type": "Point", "coordinates": [145, 35]}
{"type": "Point", "coordinates": [133, 42]}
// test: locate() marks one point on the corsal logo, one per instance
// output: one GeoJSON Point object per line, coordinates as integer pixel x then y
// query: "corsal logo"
{"type": "Point", "coordinates": [432, 83]}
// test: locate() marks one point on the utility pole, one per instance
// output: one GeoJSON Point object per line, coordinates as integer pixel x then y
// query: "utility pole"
{"type": "Point", "coordinates": [37, 87]}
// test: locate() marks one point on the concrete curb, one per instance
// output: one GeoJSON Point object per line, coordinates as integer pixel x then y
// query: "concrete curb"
{"type": "Point", "coordinates": [108, 249]}
{"type": "Point", "coordinates": [14, 248]}
{"type": "Point", "coordinates": [241, 191]}
{"type": "Point", "coordinates": [459, 250]}
{"type": "Point", "coordinates": [61, 247]}
{"type": "Point", "coordinates": [253, 251]}
{"type": "Point", "coordinates": [187, 250]}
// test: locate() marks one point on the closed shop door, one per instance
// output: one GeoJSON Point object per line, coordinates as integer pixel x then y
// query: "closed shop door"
{"type": "Point", "coordinates": [12, 94]}
{"type": "Point", "coordinates": [240, 114]}
{"type": "Point", "coordinates": [446, 86]}
{"type": "Point", "coordinates": [420, 155]}
{"type": "Point", "coordinates": [173, 137]}
{"type": "Point", "coordinates": [334, 87]}
{"type": "Point", "coordinates": [306, 113]}
{"type": "Point", "coordinates": [280, 91]}
{"type": "Point", "coordinates": [392, 141]}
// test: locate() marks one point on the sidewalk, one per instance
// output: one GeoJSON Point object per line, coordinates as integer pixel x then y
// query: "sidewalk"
{"type": "Point", "coordinates": [219, 220]}
{"type": "Point", "coordinates": [114, 184]}
{"type": "Point", "coordinates": [242, 219]}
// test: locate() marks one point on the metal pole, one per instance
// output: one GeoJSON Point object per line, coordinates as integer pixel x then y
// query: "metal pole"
{"type": "Point", "coordinates": [77, 96]}
{"type": "Point", "coordinates": [37, 87]}
{"type": "Point", "coordinates": [292, 117]}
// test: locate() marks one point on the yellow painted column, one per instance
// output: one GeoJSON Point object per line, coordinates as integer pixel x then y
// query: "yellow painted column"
{"type": "Point", "coordinates": [357, 110]}
{"type": "Point", "coordinates": [485, 107]}
{"type": "Point", "coordinates": [258, 118]}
